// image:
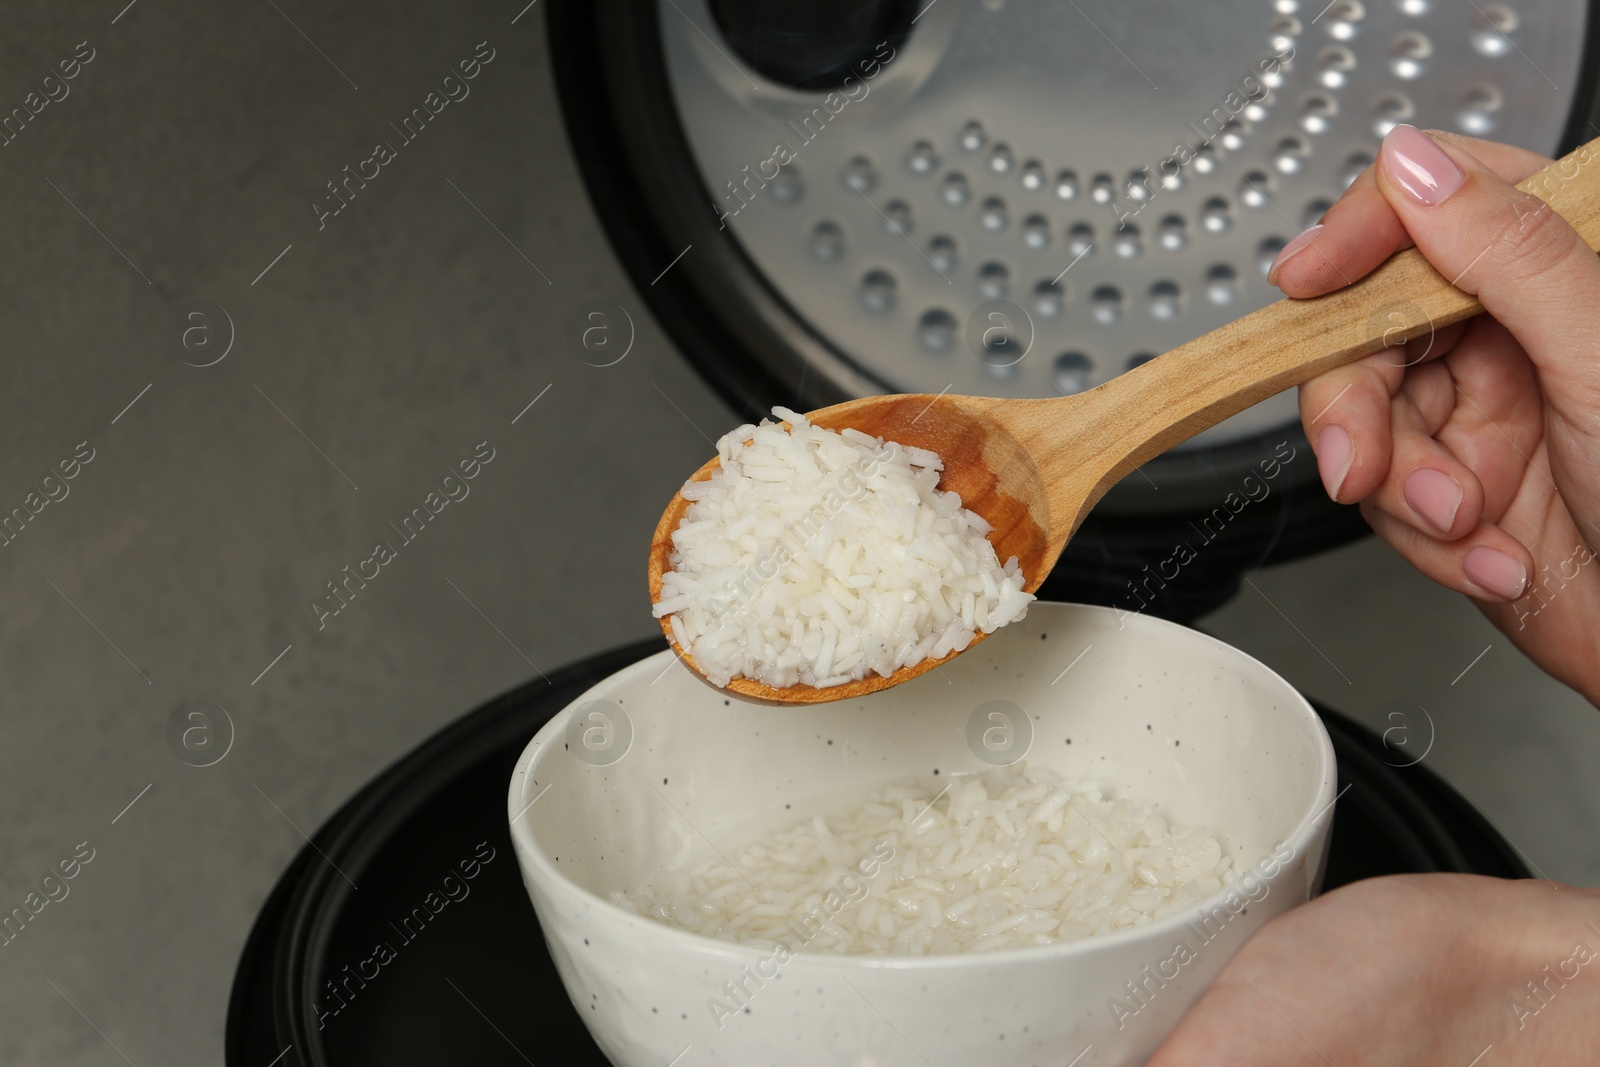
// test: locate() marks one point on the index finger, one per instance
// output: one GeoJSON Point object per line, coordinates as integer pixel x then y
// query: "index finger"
{"type": "Point", "coordinates": [1361, 229]}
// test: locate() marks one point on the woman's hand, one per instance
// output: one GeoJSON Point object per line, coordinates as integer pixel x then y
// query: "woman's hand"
{"type": "Point", "coordinates": [1409, 971]}
{"type": "Point", "coordinates": [1474, 451]}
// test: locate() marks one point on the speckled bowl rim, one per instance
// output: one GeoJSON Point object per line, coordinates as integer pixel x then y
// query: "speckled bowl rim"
{"type": "Point", "coordinates": [557, 884]}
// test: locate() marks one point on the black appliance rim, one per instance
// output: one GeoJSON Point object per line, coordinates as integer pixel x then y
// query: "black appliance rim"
{"type": "Point", "coordinates": [717, 305]}
{"type": "Point", "coordinates": [269, 1000]}
{"type": "Point", "coordinates": [718, 309]}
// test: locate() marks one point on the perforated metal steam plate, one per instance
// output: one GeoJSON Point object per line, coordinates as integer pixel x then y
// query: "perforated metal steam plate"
{"type": "Point", "coordinates": [1032, 196]}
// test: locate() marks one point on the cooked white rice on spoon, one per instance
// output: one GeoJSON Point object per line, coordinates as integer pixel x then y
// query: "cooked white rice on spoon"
{"type": "Point", "coordinates": [813, 557]}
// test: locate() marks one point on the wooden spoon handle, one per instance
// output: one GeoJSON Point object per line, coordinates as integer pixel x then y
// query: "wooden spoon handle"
{"type": "Point", "coordinates": [1197, 385]}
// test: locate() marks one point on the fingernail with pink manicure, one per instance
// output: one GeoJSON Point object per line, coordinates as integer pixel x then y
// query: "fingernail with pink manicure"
{"type": "Point", "coordinates": [1495, 572]}
{"type": "Point", "coordinates": [1419, 166]}
{"type": "Point", "coordinates": [1334, 456]}
{"type": "Point", "coordinates": [1433, 495]}
{"type": "Point", "coordinates": [1301, 240]}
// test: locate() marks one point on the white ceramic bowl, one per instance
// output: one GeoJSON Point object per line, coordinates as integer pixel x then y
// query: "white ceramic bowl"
{"type": "Point", "coordinates": [1154, 712]}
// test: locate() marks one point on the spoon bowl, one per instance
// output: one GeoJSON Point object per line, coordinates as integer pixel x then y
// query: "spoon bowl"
{"type": "Point", "coordinates": [1033, 469]}
{"type": "Point", "coordinates": [997, 478]}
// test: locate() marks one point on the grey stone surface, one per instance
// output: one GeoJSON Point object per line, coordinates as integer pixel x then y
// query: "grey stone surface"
{"type": "Point", "coordinates": [376, 353]}
{"type": "Point", "coordinates": [196, 540]}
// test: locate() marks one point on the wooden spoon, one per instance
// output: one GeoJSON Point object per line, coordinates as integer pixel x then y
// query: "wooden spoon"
{"type": "Point", "coordinates": [1034, 468]}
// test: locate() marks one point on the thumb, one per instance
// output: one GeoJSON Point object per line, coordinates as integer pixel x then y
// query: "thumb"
{"type": "Point", "coordinates": [1527, 267]}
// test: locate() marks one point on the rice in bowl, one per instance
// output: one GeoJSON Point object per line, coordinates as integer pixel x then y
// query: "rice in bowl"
{"type": "Point", "coordinates": [1010, 858]}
